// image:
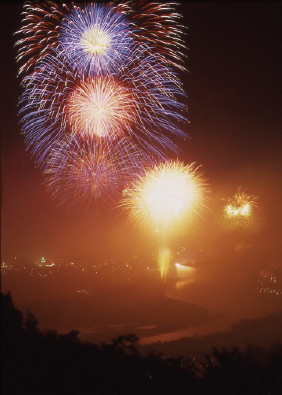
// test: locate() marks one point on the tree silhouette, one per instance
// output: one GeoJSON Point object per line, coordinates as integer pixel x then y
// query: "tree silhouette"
{"type": "Point", "coordinates": [36, 362]}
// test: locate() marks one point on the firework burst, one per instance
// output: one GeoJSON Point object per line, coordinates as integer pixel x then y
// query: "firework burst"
{"type": "Point", "coordinates": [166, 196]}
{"type": "Point", "coordinates": [101, 106]}
{"type": "Point", "coordinates": [140, 103]}
{"type": "Point", "coordinates": [96, 39]}
{"type": "Point", "coordinates": [85, 175]}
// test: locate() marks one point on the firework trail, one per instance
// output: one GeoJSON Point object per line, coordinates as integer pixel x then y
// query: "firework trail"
{"type": "Point", "coordinates": [40, 31]}
{"type": "Point", "coordinates": [42, 106]}
{"type": "Point", "coordinates": [164, 259]}
{"type": "Point", "coordinates": [165, 199]}
{"type": "Point", "coordinates": [157, 26]}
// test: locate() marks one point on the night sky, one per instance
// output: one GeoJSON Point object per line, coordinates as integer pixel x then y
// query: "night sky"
{"type": "Point", "coordinates": [234, 110]}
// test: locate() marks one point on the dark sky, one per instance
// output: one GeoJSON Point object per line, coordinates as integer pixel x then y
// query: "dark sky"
{"type": "Point", "coordinates": [234, 101]}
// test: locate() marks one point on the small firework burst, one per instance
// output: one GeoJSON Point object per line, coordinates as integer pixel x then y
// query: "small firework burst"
{"type": "Point", "coordinates": [240, 213]}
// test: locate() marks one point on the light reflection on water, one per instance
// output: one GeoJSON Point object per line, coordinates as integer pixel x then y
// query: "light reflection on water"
{"type": "Point", "coordinates": [228, 300]}
{"type": "Point", "coordinates": [179, 279]}
{"type": "Point", "coordinates": [216, 324]}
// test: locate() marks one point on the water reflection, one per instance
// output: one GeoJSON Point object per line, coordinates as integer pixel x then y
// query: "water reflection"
{"type": "Point", "coordinates": [228, 299]}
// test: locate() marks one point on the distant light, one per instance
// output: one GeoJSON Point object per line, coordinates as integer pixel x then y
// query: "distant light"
{"type": "Point", "coordinates": [184, 271]}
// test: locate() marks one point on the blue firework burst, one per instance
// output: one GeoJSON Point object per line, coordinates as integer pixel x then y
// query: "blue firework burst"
{"type": "Point", "coordinates": [97, 39]}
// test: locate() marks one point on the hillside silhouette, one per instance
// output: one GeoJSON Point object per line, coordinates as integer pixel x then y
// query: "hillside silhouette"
{"type": "Point", "coordinates": [37, 362]}
{"type": "Point", "coordinates": [260, 331]}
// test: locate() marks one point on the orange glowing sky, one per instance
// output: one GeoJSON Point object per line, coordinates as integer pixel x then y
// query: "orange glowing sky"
{"type": "Point", "coordinates": [234, 98]}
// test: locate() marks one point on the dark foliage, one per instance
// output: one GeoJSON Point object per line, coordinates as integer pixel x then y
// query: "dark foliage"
{"type": "Point", "coordinates": [36, 362]}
